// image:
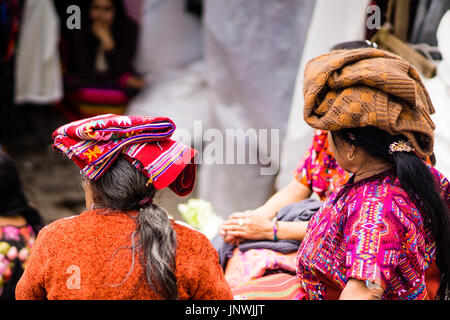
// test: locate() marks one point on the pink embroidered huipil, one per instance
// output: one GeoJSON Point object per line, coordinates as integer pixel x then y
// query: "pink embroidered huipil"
{"type": "Point", "coordinates": [371, 230]}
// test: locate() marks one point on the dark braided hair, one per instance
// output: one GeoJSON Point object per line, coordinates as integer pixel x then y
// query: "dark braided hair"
{"type": "Point", "coordinates": [124, 188]}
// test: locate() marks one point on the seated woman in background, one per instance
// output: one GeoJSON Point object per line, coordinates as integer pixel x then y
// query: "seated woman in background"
{"type": "Point", "coordinates": [124, 246]}
{"type": "Point", "coordinates": [317, 173]}
{"type": "Point", "coordinates": [252, 246]}
{"type": "Point", "coordinates": [98, 60]}
{"type": "Point", "coordinates": [19, 224]}
{"type": "Point", "coordinates": [320, 163]}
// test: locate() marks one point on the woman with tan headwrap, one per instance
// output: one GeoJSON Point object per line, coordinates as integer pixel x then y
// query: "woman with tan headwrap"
{"type": "Point", "coordinates": [385, 233]}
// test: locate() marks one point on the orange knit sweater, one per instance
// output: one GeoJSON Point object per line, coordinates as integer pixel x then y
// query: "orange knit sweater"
{"type": "Point", "coordinates": [89, 256]}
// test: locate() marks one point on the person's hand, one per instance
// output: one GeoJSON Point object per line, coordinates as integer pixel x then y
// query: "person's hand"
{"type": "Point", "coordinates": [104, 35]}
{"type": "Point", "coordinates": [264, 213]}
{"type": "Point", "coordinates": [250, 225]}
{"type": "Point", "coordinates": [135, 82]}
{"type": "Point", "coordinates": [233, 240]}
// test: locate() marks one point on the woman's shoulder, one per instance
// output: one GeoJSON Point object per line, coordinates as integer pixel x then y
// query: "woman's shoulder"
{"type": "Point", "coordinates": [57, 227]}
{"type": "Point", "coordinates": [69, 224]}
{"type": "Point", "coordinates": [381, 190]}
{"type": "Point", "coordinates": [384, 198]}
{"type": "Point", "coordinates": [442, 182]}
{"type": "Point", "coordinates": [89, 221]}
{"type": "Point", "coordinates": [187, 233]}
{"type": "Point", "coordinates": [191, 239]}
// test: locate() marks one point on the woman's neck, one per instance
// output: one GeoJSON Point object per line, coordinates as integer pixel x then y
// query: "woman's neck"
{"type": "Point", "coordinates": [370, 169]}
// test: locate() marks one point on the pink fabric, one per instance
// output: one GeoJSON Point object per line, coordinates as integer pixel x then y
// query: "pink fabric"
{"type": "Point", "coordinates": [252, 264]}
{"type": "Point", "coordinates": [123, 80]}
{"type": "Point", "coordinates": [133, 8]}
{"type": "Point", "coordinates": [280, 286]}
{"type": "Point", "coordinates": [370, 230]}
{"type": "Point", "coordinates": [319, 170]}
{"type": "Point", "coordinates": [102, 96]}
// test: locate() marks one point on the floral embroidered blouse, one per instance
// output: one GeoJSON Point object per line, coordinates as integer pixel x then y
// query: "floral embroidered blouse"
{"type": "Point", "coordinates": [319, 170]}
{"type": "Point", "coordinates": [372, 231]}
{"type": "Point", "coordinates": [15, 245]}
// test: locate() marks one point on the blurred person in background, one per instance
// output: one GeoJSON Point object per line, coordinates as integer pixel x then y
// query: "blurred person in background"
{"type": "Point", "coordinates": [20, 222]}
{"type": "Point", "coordinates": [98, 59]}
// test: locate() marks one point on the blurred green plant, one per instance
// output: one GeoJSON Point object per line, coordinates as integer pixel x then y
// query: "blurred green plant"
{"type": "Point", "coordinates": [200, 214]}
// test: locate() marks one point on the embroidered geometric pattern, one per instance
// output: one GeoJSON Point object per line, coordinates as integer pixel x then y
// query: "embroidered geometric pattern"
{"type": "Point", "coordinates": [369, 230]}
{"type": "Point", "coordinates": [95, 143]}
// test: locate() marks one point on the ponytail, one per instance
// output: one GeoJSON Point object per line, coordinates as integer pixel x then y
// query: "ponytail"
{"type": "Point", "coordinates": [418, 181]}
{"type": "Point", "coordinates": [420, 184]}
{"type": "Point", "coordinates": [124, 188]}
{"type": "Point", "coordinates": [158, 241]}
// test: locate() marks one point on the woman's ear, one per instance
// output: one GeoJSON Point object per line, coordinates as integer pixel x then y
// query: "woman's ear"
{"type": "Point", "coordinates": [352, 136]}
{"type": "Point", "coordinates": [351, 151]}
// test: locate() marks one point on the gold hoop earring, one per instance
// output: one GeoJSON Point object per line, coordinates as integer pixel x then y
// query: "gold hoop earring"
{"type": "Point", "coordinates": [351, 158]}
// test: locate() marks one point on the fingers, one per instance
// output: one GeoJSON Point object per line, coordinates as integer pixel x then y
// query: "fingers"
{"type": "Point", "coordinates": [233, 223]}
{"type": "Point", "coordinates": [232, 227]}
{"type": "Point", "coordinates": [235, 229]}
{"type": "Point", "coordinates": [232, 232]}
{"type": "Point", "coordinates": [236, 234]}
{"type": "Point", "coordinates": [236, 241]}
{"type": "Point", "coordinates": [235, 215]}
{"type": "Point", "coordinates": [239, 214]}
{"type": "Point", "coordinates": [231, 239]}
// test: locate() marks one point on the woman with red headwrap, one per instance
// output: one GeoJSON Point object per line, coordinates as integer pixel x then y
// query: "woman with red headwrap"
{"type": "Point", "coordinates": [124, 246]}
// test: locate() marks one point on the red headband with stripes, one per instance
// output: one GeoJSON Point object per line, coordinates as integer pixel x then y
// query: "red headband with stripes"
{"type": "Point", "coordinates": [94, 143]}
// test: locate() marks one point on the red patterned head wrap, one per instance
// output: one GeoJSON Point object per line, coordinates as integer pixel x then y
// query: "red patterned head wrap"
{"type": "Point", "coordinates": [94, 143]}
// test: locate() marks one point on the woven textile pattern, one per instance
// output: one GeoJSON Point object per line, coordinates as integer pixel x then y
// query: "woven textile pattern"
{"type": "Point", "coordinates": [369, 230]}
{"type": "Point", "coordinates": [94, 144]}
{"type": "Point", "coordinates": [368, 87]}
{"type": "Point", "coordinates": [256, 263]}
{"type": "Point", "coordinates": [319, 170]}
{"type": "Point", "coordinates": [280, 286]}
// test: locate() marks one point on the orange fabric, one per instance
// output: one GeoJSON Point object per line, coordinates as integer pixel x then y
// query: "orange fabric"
{"type": "Point", "coordinates": [432, 281]}
{"type": "Point", "coordinates": [86, 256]}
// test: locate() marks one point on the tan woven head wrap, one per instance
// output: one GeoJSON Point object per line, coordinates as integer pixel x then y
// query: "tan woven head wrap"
{"type": "Point", "coordinates": [368, 87]}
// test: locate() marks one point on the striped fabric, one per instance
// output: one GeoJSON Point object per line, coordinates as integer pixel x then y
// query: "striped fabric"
{"type": "Point", "coordinates": [94, 143]}
{"type": "Point", "coordinates": [279, 286]}
{"type": "Point", "coordinates": [248, 265]}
